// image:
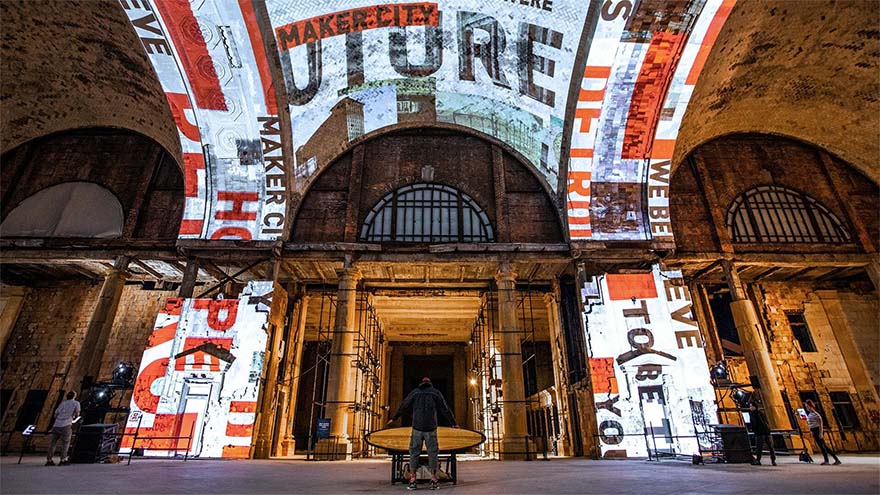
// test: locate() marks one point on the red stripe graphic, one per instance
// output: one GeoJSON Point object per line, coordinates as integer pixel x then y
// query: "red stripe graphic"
{"type": "Point", "coordinates": [709, 40]}
{"type": "Point", "coordinates": [628, 285]}
{"type": "Point", "coordinates": [649, 92]}
{"type": "Point", "coordinates": [183, 28]}
{"type": "Point", "coordinates": [250, 21]}
{"type": "Point", "coordinates": [192, 163]}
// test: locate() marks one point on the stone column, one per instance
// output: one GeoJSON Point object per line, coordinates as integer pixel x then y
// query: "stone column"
{"type": "Point", "coordinates": [292, 369]}
{"type": "Point", "coordinates": [340, 380]}
{"type": "Point", "coordinates": [563, 444]}
{"type": "Point", "coordinates": [88, 361]}
{"type": "Point", "coordinates": [264, 423]}
{"type": "Point", "coordinates": [513, 445]}
{"type": "Point", "coordinates": [748, 327]}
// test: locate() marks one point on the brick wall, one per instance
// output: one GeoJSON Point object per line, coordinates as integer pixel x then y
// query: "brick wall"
{"type": "Point", "coordinates": [48, 335]}
{"type": "Point", "coordinates": [828, 368]}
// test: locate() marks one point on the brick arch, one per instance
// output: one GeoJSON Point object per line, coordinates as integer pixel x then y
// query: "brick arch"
{"type": "Point", "coordinates": [339, 197]}
{"type": "Point", "coordinates": [808, 74]}
{"type": "Point", "coordinates": [84, 67]}
{"type": "Point", "coordinates": [136, 169]}
{"type": "Point", "coordinates": [720, 170]}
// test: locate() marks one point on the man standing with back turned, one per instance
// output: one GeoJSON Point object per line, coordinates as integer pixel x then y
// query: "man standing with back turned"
{"type": "Point", "coordinates": [65, 414]}
{"type": "Point", "coordinates": [425, 401]}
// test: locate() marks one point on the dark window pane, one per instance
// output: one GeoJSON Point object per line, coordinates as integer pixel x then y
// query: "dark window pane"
{"type": "Point", "coordinates": [844, 412]}
{"type": "Point", "coordinates": [801, 331]}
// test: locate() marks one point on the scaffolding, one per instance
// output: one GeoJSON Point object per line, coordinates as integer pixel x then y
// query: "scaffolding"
{"type": "Point", "coordinates": [319, 372]}
{"type": "Point", "coordinates": [484, 395]}
{"type": "Point", "coordinates": [485, 398]}
{"type": "Point", "coordinates": [368, 362]}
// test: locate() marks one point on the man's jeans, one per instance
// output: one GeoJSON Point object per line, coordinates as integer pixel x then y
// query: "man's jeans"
{"type": "Point", "coordinates": [60, 433]}
{"type": "Point", "coordinates": [415, 448]}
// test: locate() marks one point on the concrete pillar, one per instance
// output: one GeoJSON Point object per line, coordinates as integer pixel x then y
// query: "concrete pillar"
{"type": "Point", "coordinates": [292, 369]}
{"type": "Point", "coordinates": [264, 422]}
{"type": "Point", "coordinates": [513, 445]}
{"type": "Point", "coordinates": [563, 444]}
{"type": "Point", "coordinates": [190, 274]}
{"type": "Point", "coordinates": [88, 361]}
{"type": "Point", "coordinates": [340, 380]}
{"type": "Point", "coordinates": [748, 327]}
{"type": "Point", "coordinates": [11, 301]}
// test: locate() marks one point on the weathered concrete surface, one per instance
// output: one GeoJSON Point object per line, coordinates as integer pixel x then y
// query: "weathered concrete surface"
{"type": "Point", "coordinates": [858, 474]}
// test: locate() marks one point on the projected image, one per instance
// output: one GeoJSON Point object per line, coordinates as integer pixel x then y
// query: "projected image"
{"type": "Point", "coordinates": [354, 67]}
{"type": "Point", "coordinates": [648, 366]}
{"type": "Point", "coordinates": [212, 65]}
{"type": "Point", "coordinates": [642, 65]}
{"type": "Point", "coordinates": [200, 376]}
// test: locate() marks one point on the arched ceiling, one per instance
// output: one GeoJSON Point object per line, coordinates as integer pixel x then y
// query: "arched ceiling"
{"type": "Point", "coordinates": [68, 65]}
{"type": "Point", "coordinates": [591, 93]}
{"type": "Point", "coordinates": [808, 71]}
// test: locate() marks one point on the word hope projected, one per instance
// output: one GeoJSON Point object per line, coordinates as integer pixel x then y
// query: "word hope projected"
{"type": "Point", "coordinates": [353, 67]}
{"type": "Point", "coordinates": [199, 377]}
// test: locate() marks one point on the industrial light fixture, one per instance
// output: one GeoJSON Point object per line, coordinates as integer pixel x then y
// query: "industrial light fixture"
{"type": "Point", "coordinates": [123, 375]}
{"type": "Point", "coordinates": [719, 371]}
{"type": "Point", "coordinates": [741, 397]}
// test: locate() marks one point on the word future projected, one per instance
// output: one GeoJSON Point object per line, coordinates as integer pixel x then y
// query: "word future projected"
{"type": "Point", "coordinates": [500, 67]}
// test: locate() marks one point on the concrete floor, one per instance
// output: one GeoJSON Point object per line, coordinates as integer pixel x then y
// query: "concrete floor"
{"type": "Point", "coordinates": [858, 474]}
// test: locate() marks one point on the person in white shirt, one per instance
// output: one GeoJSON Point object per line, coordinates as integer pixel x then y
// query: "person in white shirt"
{"type": "Point", "coordinates": [65, 414]}
{"type": "Point", "coordinates": [814, 421]}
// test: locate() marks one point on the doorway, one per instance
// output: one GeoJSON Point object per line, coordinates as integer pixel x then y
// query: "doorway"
{"type": "Point", "coordinates": [440, 370]}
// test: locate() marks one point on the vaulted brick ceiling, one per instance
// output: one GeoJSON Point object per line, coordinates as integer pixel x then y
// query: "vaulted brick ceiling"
{"type": "Point", "coordinates": [804, 70]}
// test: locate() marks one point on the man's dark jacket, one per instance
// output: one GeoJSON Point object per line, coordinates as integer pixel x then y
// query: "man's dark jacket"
{"type": "Point", "coordinates": [425, 401]}
{"type": "Point", "coordinates": [759, 422]}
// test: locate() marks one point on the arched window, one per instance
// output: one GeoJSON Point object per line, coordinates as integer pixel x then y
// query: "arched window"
{"type": "Point", "coordinates": [427, 213]}
{"type": "Point", "coordinates": [777, 214]}
{"type": "Point", "coordinates": [71, 209]}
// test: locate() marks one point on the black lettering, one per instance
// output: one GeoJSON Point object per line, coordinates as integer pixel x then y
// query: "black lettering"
{"type": "Point", "coordinates": [295, 95]}
{"type": "Point", "coordinates": [609, 405]}
{"type": "Point", "coordinates": [271, 125]}
{"type": "Point", "coordinates": [638, 313]}
{"type": "Point", "coordinates": [661, 171]}
{"type": "Point", "coordinates": [359, 20]}
{"type": "Point", "coordinates": [625, 4]}
{"type": "Point", "coordinates": [530, 62]}
{"type": "Point", "coordinates": [269, 145]}
{"type": "Point", "coordinates": [651, 393]}
{"type": "Point", "coordinates": [342, 25]}
{"type": "Point", "coordinates": [380, 12]}
{"type": "Point", "coordinates": [288, 37]}
{"type": "Point", "coordinates": [610, 424]}
{"type": "Point", "coordinates": [146, 23]}
{"type": "Point", "coordinates": [325, 27]}
{"type": "Point", "coordinates": [309, 34]}
{"type": "Point", "coordinates": [641, 348]}
{"type": "Point", "coordinates": [648, 372]}
{"type": "Point", "coordinates": [399, 55]}
{"type": "Point", "coordinates": [489, 53]}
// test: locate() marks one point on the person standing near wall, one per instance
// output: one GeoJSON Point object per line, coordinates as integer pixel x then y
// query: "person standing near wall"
{"type": "Point", "coordinates": [814, 421]}
{"type": "Point", "coordinates": [425, 401]}
{"type": "Point", "coordinates": [65, 414]}
{"type": "Point", "coordinates": [761, 428]}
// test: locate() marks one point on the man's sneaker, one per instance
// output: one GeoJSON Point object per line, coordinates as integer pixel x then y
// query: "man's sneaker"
{"type": "Point", "coordinates": [837, 462]}
{"type": "Point", "coordinates": [65, 462]}
{"type": "Point", "coordinates": [50, 462]}
{"type": "Point", "coordinates": [412, 484]}
{"type": "Point", "coordinates": [434, 485]}
{"type": "Point", "coordinates": [773, 462]}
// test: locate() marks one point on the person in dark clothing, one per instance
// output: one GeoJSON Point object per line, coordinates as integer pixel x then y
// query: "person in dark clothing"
{"type": "Point", "coordinates": [761, 428]}
{"type": "Point", "coordinates": [425, 401]}
{"type": "Point", "coordinates": [814, 421]}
